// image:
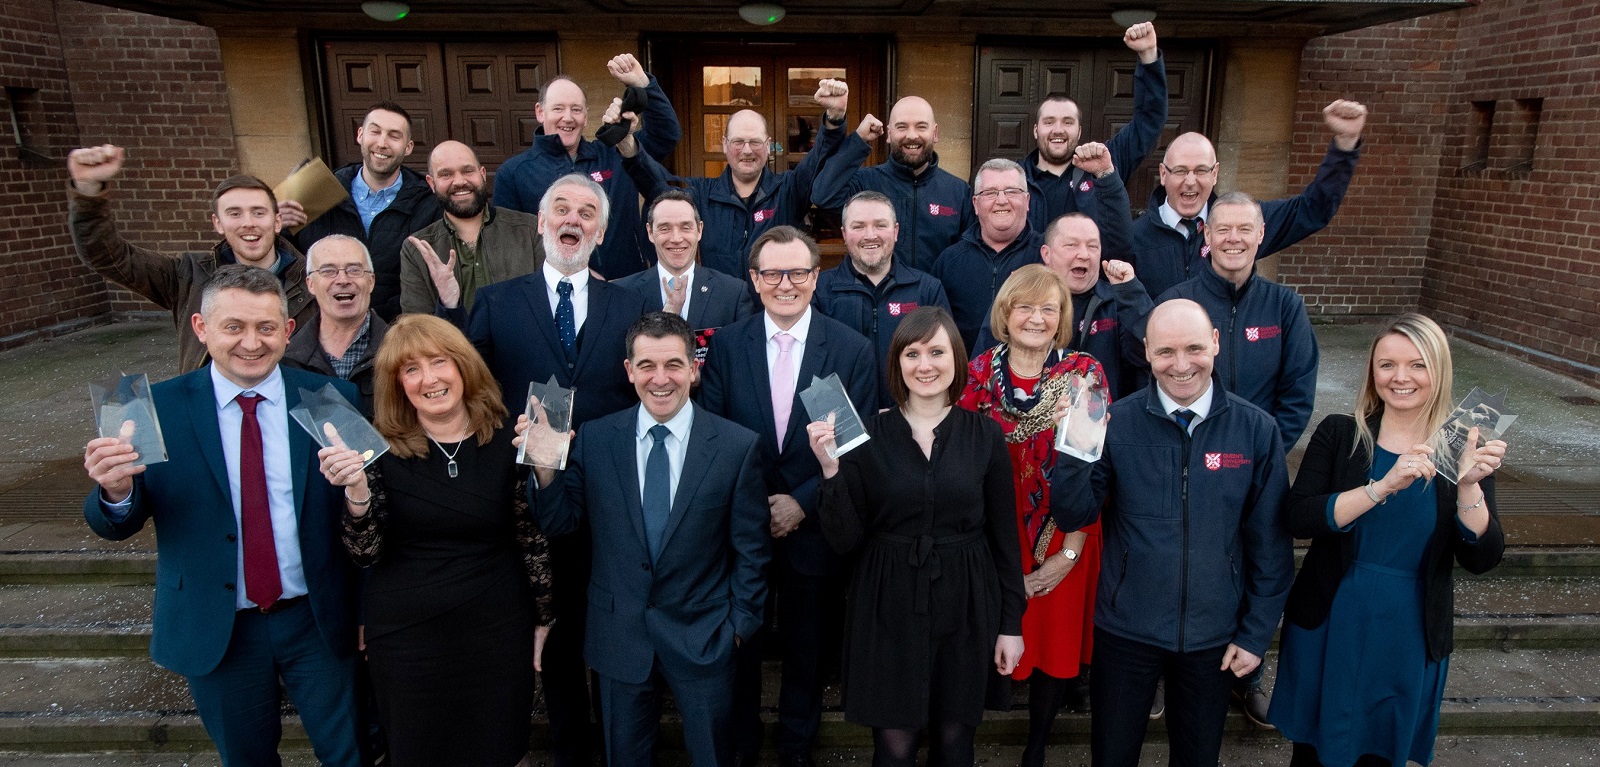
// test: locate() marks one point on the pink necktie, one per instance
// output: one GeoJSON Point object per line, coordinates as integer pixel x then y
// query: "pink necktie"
{"type": "Point", "coordinates": [783, 384]}
{"type": "Point", "coordinates": [261, 581]}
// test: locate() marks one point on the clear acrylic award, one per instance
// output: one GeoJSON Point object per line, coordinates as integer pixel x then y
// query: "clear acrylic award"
{"type": "Point", "coordinates": [1082, 432]}
{"type": "Point", "coordinates": [330, 418]}
{"type": "Point", "coordinates": [123, 409]}
{"type": "Point", "coordinates": [825, 399]}
{"type": "Point", "coordinates": [1486, 412]}
{"type": "Point", "coordinates": [549, 432]}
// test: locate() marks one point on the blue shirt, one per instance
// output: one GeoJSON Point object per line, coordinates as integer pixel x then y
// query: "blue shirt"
{"type": "Point", "coordinates": [369, 203]}
{"type": "Point", "coordinates": [676, 443]}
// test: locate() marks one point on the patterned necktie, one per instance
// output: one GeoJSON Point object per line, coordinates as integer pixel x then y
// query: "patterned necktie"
{"type": "Point", "coordinates": [566, 326]}
{"type": "Point", "coordinates": [1185, 418]}
{"type": "Point", "coordinates": [261, 582]}
{"type": "Point", "coordinates": [1192, 226]}
{"type": "Point", "coordinates": [783, 376]}
{"type": "Point", "coordinates": [657, 501]}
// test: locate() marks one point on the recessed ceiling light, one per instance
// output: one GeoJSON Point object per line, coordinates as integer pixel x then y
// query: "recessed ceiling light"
{"type": "Point", "coordinates": [384, 10]}
{"type": "Point", "coordinates": [761, 14]}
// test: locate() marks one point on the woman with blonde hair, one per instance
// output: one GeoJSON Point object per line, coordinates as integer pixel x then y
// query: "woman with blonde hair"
{"type": "Point", "coordinates": [1018, 383]}
{"type": "Point", "coordinates": [1367, 632]}
{"type": "Point", "coordinates": [458, 599]}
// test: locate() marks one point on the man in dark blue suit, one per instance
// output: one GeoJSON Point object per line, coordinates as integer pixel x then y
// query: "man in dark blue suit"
{"type": "Point", "coordinates": [561, 322]}
{"type": "Point", "coordinates": [677, 504]}
{"type": "Point", "coordinates": [679, 284]}
{"type": "Point", "coordinates": [757, 367]}
{"type": "Point", "coordinates": [252, 585]}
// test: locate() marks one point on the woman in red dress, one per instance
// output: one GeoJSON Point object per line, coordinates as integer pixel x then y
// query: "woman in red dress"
{"type": "Point", "coordinates": [1017, 383]}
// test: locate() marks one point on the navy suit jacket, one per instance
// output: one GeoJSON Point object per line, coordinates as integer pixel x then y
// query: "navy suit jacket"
{"type": "Point", "coordinates": [515, 331]}
{"type": "Point", "coordinates": [707, 585]}
{"type": "Point", "coordinates": [718, 300]}
{"type": "Point", "coordinates": [736, 386]}
{"type": "Point", "coordinates": [197, 536]}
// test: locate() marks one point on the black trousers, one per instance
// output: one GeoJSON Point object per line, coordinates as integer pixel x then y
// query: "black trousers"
{"type": "Point", "coordinates": [801, 606]}
{"type": "Point", "coordinates": [573, 733]}
{"type": "Point", "coordinates": [1123, 686]}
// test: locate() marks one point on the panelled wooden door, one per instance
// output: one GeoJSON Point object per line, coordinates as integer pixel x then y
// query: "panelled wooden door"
{"type": "Point", "coordinates": [481, 94]}
{"type": "Point", "coordinates": [1013, 79]}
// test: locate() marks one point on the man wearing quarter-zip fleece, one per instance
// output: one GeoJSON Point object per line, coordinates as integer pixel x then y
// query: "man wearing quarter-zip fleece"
{"type": "Point", "coordinates": [1198, 559]}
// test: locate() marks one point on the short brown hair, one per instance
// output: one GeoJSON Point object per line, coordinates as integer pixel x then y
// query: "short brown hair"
{"type": "Point", "coordinates": [242, 182]}
{"type": "Point", "coordinates": [917, 327]}
{"type": "Point", "coordinates": [783, 235]}
{"type": "Point", "coordinates": [420, 335]}
{"type": "Point", "coordinates": [1031, 284]}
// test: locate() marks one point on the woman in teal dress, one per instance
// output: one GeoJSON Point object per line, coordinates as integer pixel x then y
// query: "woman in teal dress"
{"type": "Point", "coordinates": [1367, 632]}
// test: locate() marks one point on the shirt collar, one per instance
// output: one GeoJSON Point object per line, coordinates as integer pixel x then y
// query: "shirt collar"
{"type": "Point", "coordinates": [679, 424]}
{"type": "Point", "coordinates": [662, 271]}
{"type": "Point", "coordinates": [579, 281]}
{"type": "Point", "coordinates": [1171, 218]}
{"type": "Point", "coordinates": [488, 216]}
{"type": "Point", "coordinates": [226, 390]}
{"type": "Point", "coordinates": [1200, 407]}
{"type": "Point", "coordinates": [799, 331]}
{"type": "Point", "coordinates": [359, 185]}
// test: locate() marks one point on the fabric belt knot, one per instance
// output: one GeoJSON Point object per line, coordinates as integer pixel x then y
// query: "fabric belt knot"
{"type": "Point", "coordinates": [923, 556]}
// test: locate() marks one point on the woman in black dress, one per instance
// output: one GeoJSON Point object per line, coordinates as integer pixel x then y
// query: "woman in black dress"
{"type": "Point", "coordinates": [936, 599]}
{"type": "Point", "coordinates": [457, 600]}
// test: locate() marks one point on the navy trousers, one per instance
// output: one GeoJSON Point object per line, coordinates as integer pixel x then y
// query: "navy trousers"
{"type": "Point", "coordinates": [632, 717]}
{"type": "Point", "coordinates": [1123, 686]}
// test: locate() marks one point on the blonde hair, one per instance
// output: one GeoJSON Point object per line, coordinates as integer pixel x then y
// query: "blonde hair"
{"type": "Point", "coordinates": [418, 336]}
{"type": "Point", "coordinates": [1031, 284]}
{"type": "Point", "coordinates": [1434, 346]}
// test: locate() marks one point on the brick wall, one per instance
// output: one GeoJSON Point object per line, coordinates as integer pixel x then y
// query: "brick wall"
{"type": "Point", "coordinates": [151, 85]}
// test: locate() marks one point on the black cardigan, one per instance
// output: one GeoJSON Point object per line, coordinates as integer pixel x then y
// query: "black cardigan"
{"type": "Point", "coordinates": [1328, 469]}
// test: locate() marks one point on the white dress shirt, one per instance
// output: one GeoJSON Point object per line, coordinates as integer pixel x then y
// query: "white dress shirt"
{"type": "Point", "coordinates": [1171, 218]}
{"type": "Point", "coordinates": [580, 294]}
{"type": "Point", "coordinates": [1201, 407]}
{"type": "Point", "coordinates": [677, 444]}
{"type": "Point", "coordinates": [688, 294]}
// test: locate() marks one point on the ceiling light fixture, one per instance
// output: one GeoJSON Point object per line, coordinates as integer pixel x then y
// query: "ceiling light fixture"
{"type": "Point", "coordinates": [761, 14]}
{"type": "Point", "coordinates": [384, 10]}
{"type": "Point", "coordinates": [1128, 17]}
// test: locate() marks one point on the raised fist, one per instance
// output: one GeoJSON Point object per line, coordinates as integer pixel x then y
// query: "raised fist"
{"type": "Point", "coordinates": [1141, 39]}
{"type": "Point", "coordinates": [833, 95]}
{"type": "Point", "coordinates": [870, 129]}
{"type": "Point", "coordinates": [627, 70]}
{"type": "Point", "coordinates": [1094, 159]}
{"type": "Point", "coordinates": [1345, 119]}
{"type": "Point", "coordinates": [92, 166]}
{"type": "Point", "coordinates": [1116, 271]}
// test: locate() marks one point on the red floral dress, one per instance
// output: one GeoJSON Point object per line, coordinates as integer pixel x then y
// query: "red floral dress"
{"type": "Point", "coordinates": [1058, 627]}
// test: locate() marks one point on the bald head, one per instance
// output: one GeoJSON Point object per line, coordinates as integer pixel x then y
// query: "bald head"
{"type": "Point", "coordinates": [1189, 173]}
{"type": "Point", "coordinates": [912, 132]}
{"type": "Point", "coordinates": [746, 145]}
{"type": "Point", "coordinates": [457, 180]}
{"type": "Point", "coordinates": [1181, 345]}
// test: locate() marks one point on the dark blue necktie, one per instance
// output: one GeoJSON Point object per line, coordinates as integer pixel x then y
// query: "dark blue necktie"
{"type": "Point", "coordinates": [1192, 226]}
{"type": "Point", "coordinates": [566, 326]}
{"type": "Point", "coordinates": [657, 490]}
{"type": "Point", "coordinates": [1184, 417]}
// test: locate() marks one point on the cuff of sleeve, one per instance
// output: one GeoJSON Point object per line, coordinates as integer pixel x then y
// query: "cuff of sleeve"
{"type": "Point", "coordinates": [1467, 536]}
{"type": "Point", "coordinates": [1332, 524]}
{"type": "Point", "coordinates": [118, 511]}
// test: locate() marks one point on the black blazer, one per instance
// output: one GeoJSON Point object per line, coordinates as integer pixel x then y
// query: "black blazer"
{"type": "Point", "coordinates": [718, 299]}
{"type": "Point", "coordinates": [1329, 469]}
{"type": "Point", "coordinates": [513, 328]}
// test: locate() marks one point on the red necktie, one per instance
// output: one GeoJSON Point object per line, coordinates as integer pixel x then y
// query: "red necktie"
{"type": "Point", "coordinates": [261, 582]}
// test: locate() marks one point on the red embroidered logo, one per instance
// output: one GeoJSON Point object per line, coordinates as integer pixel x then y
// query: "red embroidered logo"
{"type": "Point", "coordinates": [1101, 326]}
{"type": "Point", "coordinates": [935, 209]}
{"type": "Point", "coordinates": [1085, 186]}
{"type": "Point", "coordinates": [1217, 461]}
{"type": "Point", "coordinates": [1262, 333]}
{"type": "Point", "coordinates": [897, 309]}
{"type": "Point", "coordinates": [763, 215]}
{"type": "Point", "coordinates": [600, 176]}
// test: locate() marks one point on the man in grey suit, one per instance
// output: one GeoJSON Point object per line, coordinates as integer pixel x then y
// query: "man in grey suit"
{"type": "Point", "coordinates": [678, 507]}
{"type": "Point", "coordinates": [707, 298]}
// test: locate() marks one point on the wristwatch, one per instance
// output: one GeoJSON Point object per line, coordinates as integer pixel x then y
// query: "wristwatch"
{"type": "Point", "coordinates": [1072, 556]}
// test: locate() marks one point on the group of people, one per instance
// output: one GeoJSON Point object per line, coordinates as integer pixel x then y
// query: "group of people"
{"type": "Point", "coordinates": [699, 515]}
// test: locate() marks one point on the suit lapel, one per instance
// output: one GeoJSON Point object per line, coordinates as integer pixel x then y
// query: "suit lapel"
{"type": "Point", "coordinates": [813, 363]}
{"type": "Point", "coordinates": [760, 381]}
{"type": "Point", "coordinates": [202, 401]}
{"type": "Point", "coordinates": [625, 456]}
{"type": "Point", "coordinates": [299, 440]}
{"type": "Point", "coordinates": [544, 321]}
{"type": "Point", "coordinates": [599, 308]}
{"type": "Point", "coordinates": [698, 302]}
{"type": "Point", "coordinates": [697, 460]}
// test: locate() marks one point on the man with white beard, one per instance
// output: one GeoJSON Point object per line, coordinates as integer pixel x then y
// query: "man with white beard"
{"type": "Point", "coordinates": [560, 322]}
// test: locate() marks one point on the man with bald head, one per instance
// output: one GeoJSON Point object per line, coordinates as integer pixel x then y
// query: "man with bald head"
{"type": "Point", "coordinates": [933, 206]}
{"type": "Point", "coordinates": [559, 148]}
{"type": "Point", "coordinates": [748, 198]}
{"type": "Point", "coordinates": [472, 245]}
{"type": "Point", "coordinates": [1169, 239]}
{"type": "Point", "coordinates": [1198, 559]}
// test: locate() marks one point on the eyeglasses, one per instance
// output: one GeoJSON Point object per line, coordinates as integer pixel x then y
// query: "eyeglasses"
{"type": "Point", "coordinates": [747, 143]}
{"type": "Point", "coordinates": [775, 276]}
{"type": "Point", "coordinates": [989, 195]}
{"type": "Point", "coordinates": [353, 271]}
{"type": "Point", "coordinates": [1198, 170]}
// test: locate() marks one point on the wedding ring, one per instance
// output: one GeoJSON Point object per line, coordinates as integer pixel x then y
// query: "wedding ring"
{"type": "Point", "coordinates": [1411, 464]}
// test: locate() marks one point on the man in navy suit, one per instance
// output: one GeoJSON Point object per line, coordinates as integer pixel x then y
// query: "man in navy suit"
{"type": "Point", "coordinates": [756, 369]}
{"type": "Point", "coordinates": [707, 298]}
{"type": "Point", "coordinates": [561, 322]}
{"type": "Point", "coordinates": [252, 585]}
{"type": "Point", "coordinates": [678, 507]}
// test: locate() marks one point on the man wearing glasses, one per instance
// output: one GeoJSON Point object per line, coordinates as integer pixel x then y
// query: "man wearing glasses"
{"type": "Point", "coordinates": [342, 338]}
{"type": "Point", "coordinates": [1169, 239]}
{"type": "Point", "coordinates": [753, 376]}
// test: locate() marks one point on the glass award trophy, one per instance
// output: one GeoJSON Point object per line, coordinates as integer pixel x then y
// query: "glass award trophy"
{"type": "Point", "coordinates": [1082, 433]}
{"type": "Point", "coordinates": [825, 399]}
{"type": "Point", "coordinates": [330, 419]}
{"type": "Point", "coordinates": [123, 409]}
{"type": "Point", "coordinates": [549, 432]}
{"type": "Point", "coordinates": [1486, 412]}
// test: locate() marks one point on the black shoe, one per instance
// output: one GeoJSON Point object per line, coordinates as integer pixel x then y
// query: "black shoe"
{"type": "Point", "coordinates": [796, 760]}
{"type": "Point", "coordinates": [746, 760]}
{"type": "Point", "coordinates": [1159, 705]}
{"type": "Point", "coordinates": [1078, 694]}
{"type": "Point", "coordinates": [1255, 703]}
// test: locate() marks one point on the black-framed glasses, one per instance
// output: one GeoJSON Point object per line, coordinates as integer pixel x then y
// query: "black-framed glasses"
{"type": "Point", "coordinates": [775, 276]}
{"type": "Point", "coordinates": [353, 271]}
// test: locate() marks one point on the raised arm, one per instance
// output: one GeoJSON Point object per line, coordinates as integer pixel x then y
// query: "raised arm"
{"type": "Point", "coordinates": [1135, 141]}
{"type": "Point", "coordinates": [95, 235]}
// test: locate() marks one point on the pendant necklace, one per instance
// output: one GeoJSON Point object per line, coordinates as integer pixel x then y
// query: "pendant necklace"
{"type": "Point", "coordinates": [451, 467]}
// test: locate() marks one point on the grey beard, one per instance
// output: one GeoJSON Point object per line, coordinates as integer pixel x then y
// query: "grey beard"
{"type": "Point", "coordinates": [578, 262]}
